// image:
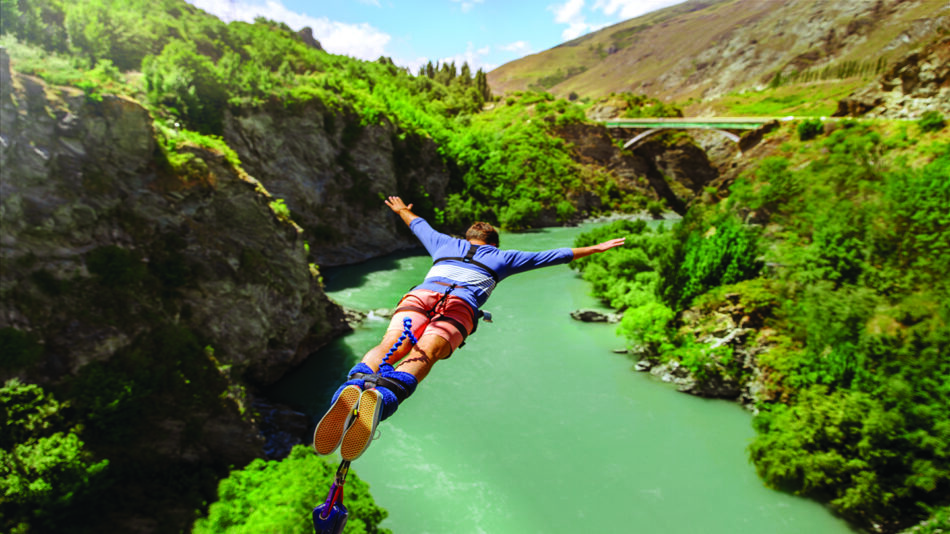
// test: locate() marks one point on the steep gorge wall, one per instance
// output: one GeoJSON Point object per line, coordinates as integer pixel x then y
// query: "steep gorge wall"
{"type": "Point", "coordinates": [153, 296]}
{"type": "Point", "coordinates": [81, 176]}
{"type": "Point", "coordinates": [334, 172]}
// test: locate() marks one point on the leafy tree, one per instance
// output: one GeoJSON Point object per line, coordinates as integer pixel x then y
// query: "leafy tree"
{"type": "Point", "coordinates": [724, 252]}
{"type": "Point", "coordinates": [481, 84]}
{"type": "Point", "coordinates": [187, 83]}
{"type": "Point", "coordinates": [272, 496]}
{"type": "Point", "coordinates": [44, 467]}
{"type": "Point", "coordinates": [9, 16]}
{"type": "Point", "coordinates": [100, 32]}
{"type": "Point", "coordinates": [810, 129]}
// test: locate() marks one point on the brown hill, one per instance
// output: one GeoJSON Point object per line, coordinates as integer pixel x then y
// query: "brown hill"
{"type": "Point", "coordinates": [703, 49]}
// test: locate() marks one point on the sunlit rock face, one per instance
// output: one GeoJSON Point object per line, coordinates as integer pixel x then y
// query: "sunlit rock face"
{"type": "Point", "coordinates": [915, 84]}
{"type": "Point", "coordinates": [111, 258]}
{"type": "Point", "coordinates": [334, 173]}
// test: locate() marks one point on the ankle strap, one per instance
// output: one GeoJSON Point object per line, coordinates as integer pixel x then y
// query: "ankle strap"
{"type": "Point", "coordinates": [376, 379]}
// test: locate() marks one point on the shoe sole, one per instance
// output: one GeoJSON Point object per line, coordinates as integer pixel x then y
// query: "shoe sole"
{"type": "Point", "coordinates": [329, 432]}
{"type": "Point", "coordinates": [358, 436]}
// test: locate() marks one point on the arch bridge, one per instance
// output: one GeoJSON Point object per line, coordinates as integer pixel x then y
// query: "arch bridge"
{"type": "Point", "coordinates": [652, 126]}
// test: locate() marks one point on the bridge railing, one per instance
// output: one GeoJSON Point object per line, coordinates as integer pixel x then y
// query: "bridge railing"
{"type": "Point", "coordinates": [719, 123]}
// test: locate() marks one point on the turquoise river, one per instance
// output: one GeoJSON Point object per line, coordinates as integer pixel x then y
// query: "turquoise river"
{"type": "Point", "coordinates": [537, 426]}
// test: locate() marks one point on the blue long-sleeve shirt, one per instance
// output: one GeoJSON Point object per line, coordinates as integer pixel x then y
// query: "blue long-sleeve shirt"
{"type": "Point", "coordinates": [475, 284]}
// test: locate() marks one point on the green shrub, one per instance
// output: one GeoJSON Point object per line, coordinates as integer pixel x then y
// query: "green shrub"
{"type": "Point", "coordinates": [937, 523]}
{"type": "Point", "coordinates": [187, 82]}
{"type": "Point", "coordinates": [810, 129]}
{"type": "Point", "coordinates": [648, 327]}
{"type": "Point", "coordinates": [725, 252]}
{"type": "Point", "coordinates": [520, 213]}
{"type": "Point", "coordinates": [44, 467]}
{"type": "Point", "coordinates": [931, 121]}
{"type": "Point", "coordinates": [278, 496]}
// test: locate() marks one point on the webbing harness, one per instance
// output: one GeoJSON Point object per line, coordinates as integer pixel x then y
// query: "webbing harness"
{"type": "Point", "coordinates": [434, 313]}
{"type": "Point", "coordinates": [469, 258]}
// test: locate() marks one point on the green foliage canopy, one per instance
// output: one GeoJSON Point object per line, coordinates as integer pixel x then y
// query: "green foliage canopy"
{"type": "Point", "coordinates": [272, 496]}
{"type": "Point", "coordinates": [44, 467]}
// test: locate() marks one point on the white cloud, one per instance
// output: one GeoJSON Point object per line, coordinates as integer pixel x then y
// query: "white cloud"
{"type": "Point", "coordinates": [358, 40]}
{"type": "Point", "coordinates": [628, 9]}
{"type": "Point", "coordinates": [518, 47]}
{"type": "Point", "coordinates": [568, 13]}
{"type": "Point", "coordinates": [471, 56]}
{"type": "Point", "coordinates": [571, 13]}
{"type": "Point", "coordinates": [575, 29]}
{"type": "Point", "coordinates": [361, 41]}
{"type": "Point", "coordinates": [467, 5]}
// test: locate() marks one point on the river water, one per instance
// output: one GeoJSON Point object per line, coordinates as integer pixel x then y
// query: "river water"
{"type": "Point", "coordinates": [536, 426]}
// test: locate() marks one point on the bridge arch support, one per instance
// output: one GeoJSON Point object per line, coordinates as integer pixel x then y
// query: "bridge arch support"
{"type": "Point", "coordinates": [653, 131]}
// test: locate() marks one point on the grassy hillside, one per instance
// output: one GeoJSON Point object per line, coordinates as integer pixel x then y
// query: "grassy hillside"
{"type": "Point", "coordinates": [702, 50]}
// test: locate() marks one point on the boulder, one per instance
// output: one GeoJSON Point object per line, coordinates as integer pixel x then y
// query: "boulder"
{"type": "Point", "coordinates": [595, 316]}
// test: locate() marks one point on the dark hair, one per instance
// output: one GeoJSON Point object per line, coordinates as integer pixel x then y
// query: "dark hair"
{"type": "Point", "coordinates": [482, 231]}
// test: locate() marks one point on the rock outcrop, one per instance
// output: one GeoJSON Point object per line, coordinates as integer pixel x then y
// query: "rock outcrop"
{"type": "Point", "coordinates": [917, 83]}
{"type": "Point", "coordinates": [595, 316]}
{"type": "Point", "coordinates": [334, 172]}
{"type": "Point", "coordinates": [675, 173]}
{"type": "Point", "coordinates": [164, 295]}
{"type": "Point", "coordinates": [85, 178]}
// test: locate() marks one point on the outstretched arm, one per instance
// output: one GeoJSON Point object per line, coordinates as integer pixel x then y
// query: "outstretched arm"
{"type": "Point", "coordinates": [400, 208]}
{"type": "Point", "coordinates": [598, 248]}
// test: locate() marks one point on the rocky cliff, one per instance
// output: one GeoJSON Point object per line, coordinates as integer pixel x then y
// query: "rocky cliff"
{"type": "Point", "coordinates": [149, 298]}
{"type": "Point", "coordinates": [916, 83]}
{"type": "Point", "coordinates": [673, 169]}
{"type": "Point", "coordinates": [334, 172]}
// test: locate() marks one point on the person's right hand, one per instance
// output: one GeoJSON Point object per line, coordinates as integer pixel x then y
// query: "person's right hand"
{"type": "Point", "coordinates": [396, 204]}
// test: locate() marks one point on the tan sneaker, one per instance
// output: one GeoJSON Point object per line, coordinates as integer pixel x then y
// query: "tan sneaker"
{"type": "Point", "coordinates": [329, 432]}
{"type": "Point", "coordinates": [359, 434]}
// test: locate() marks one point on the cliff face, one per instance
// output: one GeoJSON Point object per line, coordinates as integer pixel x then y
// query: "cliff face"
{"type": "Point", "coordinates": [84, 183]}
{"type": "Point", "coordinates": [675, 171]}
{"type": "Point", "coordinates": [914, 84]}
{"type": "Point", "coordinates": [334, 172]}
{"type": "Point", "coordinates": [153, 296]}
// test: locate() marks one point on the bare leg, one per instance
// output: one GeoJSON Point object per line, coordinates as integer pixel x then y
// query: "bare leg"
{"type": "Point", "coordinates": [430, 349]}
{"type": "Point", "coordinates": [374, 356]}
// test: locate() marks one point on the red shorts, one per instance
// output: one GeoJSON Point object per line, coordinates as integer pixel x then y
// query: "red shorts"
{"type": "Point", "coordinates": [453, 308]}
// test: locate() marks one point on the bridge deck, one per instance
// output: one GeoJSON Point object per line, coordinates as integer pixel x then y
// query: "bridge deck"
{"type": "Point", "coordinates": [723, 123]}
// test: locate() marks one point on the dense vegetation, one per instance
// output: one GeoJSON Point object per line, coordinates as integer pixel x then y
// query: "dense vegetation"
{"type": "Point", "coordinates": [278, 496]}
{"type": "Point", "coordinates": [837, 248]}
{"type": "Point", "coordinates": [190, 68]}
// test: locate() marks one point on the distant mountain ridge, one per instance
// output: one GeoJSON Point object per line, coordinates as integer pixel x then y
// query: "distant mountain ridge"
{"type": "Point", "coordinates": [703, 49]}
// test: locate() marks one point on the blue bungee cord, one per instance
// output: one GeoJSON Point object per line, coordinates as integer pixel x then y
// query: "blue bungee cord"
{"type": "Point", "coordinates": [406, 332]}
{"type": "Point", "coordinates": [330, 517]}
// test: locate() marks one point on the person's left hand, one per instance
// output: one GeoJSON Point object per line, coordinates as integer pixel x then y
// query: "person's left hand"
{"type": "Point", "coordinates": [607, 245]}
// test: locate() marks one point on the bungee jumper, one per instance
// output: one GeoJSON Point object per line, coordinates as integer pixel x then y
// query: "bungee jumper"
{"type": "Point", "coordinates": [435, 317]}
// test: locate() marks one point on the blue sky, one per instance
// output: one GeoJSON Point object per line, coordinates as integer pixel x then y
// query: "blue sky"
{"type": "Point", "coordinates": [484, 33]}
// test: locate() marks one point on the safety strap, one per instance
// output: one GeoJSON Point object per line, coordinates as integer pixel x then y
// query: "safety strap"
{"type": "Point", "coordinates": [376, 379]}
{"type": "Point", "coordinates": [434, 315]}
{"type": "Point", "coordinates": [469, 258]}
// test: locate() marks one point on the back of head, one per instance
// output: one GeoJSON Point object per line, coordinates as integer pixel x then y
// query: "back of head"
{"type": "Point", "coordinates": [482, 231]}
